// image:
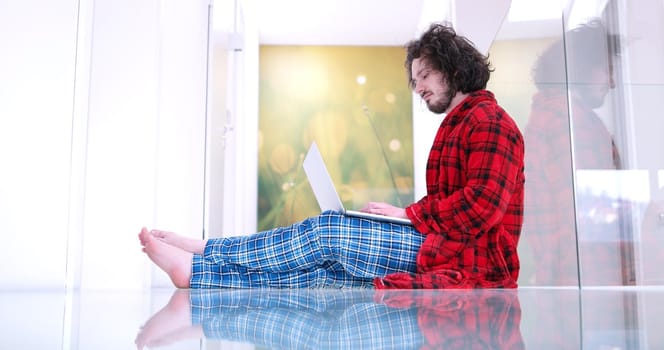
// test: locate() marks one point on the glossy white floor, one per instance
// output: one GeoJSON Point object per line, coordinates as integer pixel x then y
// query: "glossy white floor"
{"type": "Point", "coordinates": [527, 318]}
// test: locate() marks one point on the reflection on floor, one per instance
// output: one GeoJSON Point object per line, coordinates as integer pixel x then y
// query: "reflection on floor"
{"type": "Point", "coordinates": [527, 318]}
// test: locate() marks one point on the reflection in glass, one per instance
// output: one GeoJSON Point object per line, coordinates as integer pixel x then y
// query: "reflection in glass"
{"type": "Point", "coordinates": [652, 238]}
{"type": "Point", "coordinates": [573, 77]}
{"type": "Point", "coordinates": [341, 319]}
{"type": "Point", "coordinates": [611, 321]}
{"type": "Point", "coordinates": [551, 318]}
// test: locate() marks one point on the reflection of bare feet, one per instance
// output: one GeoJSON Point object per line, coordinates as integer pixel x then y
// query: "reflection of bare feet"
{"type": "Point", "coordinates": [191, 245]}
{"type": "Point", "coordinates": [173, 260]}
{"type": "Point", "coordinates": [170, 324]}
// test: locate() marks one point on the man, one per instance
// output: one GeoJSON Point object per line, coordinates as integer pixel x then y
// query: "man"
{"type": "Point", "coordinates": [464, 232]}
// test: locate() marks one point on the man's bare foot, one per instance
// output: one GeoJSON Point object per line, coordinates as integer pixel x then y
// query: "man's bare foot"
{"type": "Point", "coordinates": [173, 260]}
{"type": "Point", "coordinates": [196, 246]}
{"type": "Point", "coordinates": [170, 324]}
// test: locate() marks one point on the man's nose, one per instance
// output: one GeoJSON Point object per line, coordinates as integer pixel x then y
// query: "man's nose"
{"type": "Point", "coordinates": [418, 88]}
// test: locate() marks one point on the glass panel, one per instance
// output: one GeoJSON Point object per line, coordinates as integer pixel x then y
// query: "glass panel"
{"type": "Point", "coordinates": [603, 214]}
{"type": "Point", "coordinates": [583, 83]}
{"type": "Point", "coordinates": [651, 234]}
{"type": "Point", "coordinates": [530, 82]}
{"type": "Point", "coordinates": [614, 76]}
{"type": "Point", "coordinates": [637, 96]}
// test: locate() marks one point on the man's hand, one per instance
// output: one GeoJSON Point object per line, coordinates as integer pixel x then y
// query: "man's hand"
{"type": "Point", "coordinates": [384, 209]}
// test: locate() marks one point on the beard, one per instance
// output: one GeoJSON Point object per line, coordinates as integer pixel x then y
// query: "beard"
{"type": "Point", "coordinates": [441, 105]}
{"type": "Point", "coordinates": [591, 96]}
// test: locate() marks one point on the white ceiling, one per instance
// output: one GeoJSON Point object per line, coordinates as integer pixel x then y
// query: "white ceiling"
{"type": "Point", "coordinates": [336, 22]}
{"type": "Point", "coordinates": [385, 22]}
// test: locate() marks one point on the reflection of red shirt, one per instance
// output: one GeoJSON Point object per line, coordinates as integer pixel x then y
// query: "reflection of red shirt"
{"type": "Point", "coordinates": [473, 210]}
{"type": "Point", "coordinates": [550, 218]}
{"type": "Point", "coordinates": [477, 319]}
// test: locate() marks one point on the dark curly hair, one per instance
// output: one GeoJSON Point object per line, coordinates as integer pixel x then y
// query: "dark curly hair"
{"type": "Point", "coordinates": [572, 57]}
{"type": "Point", "coordinates": [465, 68]}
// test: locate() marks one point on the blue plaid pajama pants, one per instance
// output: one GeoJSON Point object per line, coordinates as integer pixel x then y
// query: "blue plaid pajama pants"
{"type": "Point", "coordinates": [305, 319]}
{"type": "Point", "coordinates": [328, 250]}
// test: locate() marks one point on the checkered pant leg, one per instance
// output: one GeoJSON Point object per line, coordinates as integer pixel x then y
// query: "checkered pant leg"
{"type": "Point", "coordinates": [328, 250]}
{"type": "Point", "coordinates": [305, 320]}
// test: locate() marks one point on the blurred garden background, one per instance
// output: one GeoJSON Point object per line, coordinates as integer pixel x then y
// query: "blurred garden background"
{"type": "Point", "coordinates": [355, 103]}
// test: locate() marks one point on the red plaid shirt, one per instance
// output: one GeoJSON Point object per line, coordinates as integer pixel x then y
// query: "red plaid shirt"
{"type": "Point", "coordinates": [473, 211]}
{"type": "Point", "coordinates": [550, 224]}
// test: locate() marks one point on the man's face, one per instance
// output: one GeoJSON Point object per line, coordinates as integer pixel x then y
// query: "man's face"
{"type": "Point", "coordinates": [431, 85]}
{"type": "Point", "coordinates": [594, 91]}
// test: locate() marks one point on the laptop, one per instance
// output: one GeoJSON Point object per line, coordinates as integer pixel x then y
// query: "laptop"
{"type": "Point", "coordinates": [327, 195]}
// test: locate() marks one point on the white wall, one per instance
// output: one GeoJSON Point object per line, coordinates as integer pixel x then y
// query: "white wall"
{"type": "Point", "coordinates": [132, 142]}
{"type": "Point", "coordinates": [240, 146]}
{"type": "Point", "coordinates": [37, 40]}
{"type": "Point", "coordinates": [146, 134]}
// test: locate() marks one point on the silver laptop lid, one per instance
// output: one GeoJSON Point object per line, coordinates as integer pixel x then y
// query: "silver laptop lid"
{"type": "Point", "coordinates": [320, 181]}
